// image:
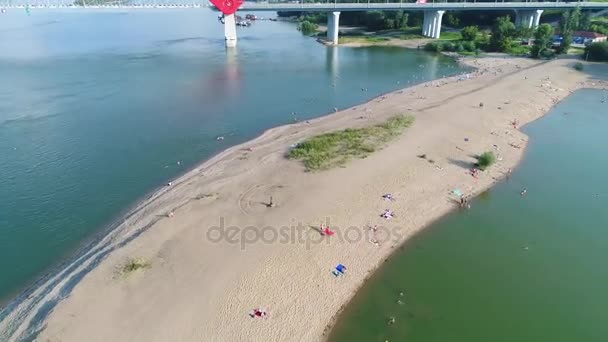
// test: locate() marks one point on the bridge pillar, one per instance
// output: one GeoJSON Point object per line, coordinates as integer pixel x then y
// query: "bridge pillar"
{"type": "Point", "coordinates": [527, 18]}
{"type": "Point", "coordinates": [230, 30]}
{"type": "Point", "coordinates": [431, 26]}
{"type": "Point", "coordinates": [333, 26]}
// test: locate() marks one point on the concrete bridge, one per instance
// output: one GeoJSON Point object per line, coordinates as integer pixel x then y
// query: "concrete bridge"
{"type": "Point", "coordinates": [527, 14]}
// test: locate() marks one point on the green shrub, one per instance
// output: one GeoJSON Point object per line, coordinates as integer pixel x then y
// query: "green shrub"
{"type": "Point", "coordinates": [434, 47]}
{"type": "Point", "coordinates": [469, 46]}
{"type": "Point", "coordinates": [469, 33]}
{"type": "Point", "coordinates": [486, 160]}
{"type": "Point", "coordinates": [133, 265]}
{"type": "Point", "coordinates": [547, 54]}
{"type": "Point", "coordinates": [578, 66]}
{"type": "Point", "coordinates": [597, 52]}
{"type": "Point", "coordinates": [460, 47]}
{"type": "Point", "coordinates": [450, 47]}
{"type": "Point", "coordinates": [307, 28]}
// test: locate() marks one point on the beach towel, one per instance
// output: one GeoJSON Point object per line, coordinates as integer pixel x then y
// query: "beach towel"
{"type": "Point", "coordinates": [328, 231]}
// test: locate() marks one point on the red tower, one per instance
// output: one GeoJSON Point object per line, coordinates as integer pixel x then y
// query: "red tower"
{"type": "Point", "coordinates": [228, 6]}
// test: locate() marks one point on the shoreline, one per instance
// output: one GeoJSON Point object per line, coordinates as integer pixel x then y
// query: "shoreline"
{"type": "Point", "coordinates": [116, 226]}
{"type": "Point", "coordinates": [347, 308]}
{"type": "Point", "coordinates": [265, 140]}
{"type": "Point", "coordinates": [149, 197]}
{"type": "Point", "coordinates": [338, 315]}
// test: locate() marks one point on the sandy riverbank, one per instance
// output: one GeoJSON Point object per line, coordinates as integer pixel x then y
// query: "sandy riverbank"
{"type": "Point", "coordinates": [355, 42]}
{"type": "Point", "coordinates": [200, 290]}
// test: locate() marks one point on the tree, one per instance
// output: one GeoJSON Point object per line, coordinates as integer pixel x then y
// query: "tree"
{"type": "Point", "coordinates": [567, 38]}
{"type": "Point", "coordinates": [575, 19]}
{"type": "Point", "coordinates": [585, 21]}
{"type": "Point", "coordinates": [401, 18]}
{"type": "Point", "coordinates": [571, 21]}
{"type": "Point", "coordinates": [452, 20]}
{"type": "Point", "coordinates": [375, 20]}
{"type": "Point", "coordinates": [307, 28]}
{"type": "Point", "coordinates": [469, 33]}
{"type": "Point", "coordinates": [502, 34]}
{"type": "Point", "coordinates": [542, 40]}
{"type": "Point", "coordinates": [524, 32]}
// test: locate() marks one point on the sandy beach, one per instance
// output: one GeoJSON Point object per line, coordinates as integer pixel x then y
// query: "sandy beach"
{"type": "Point", "coordinates": [203, 281]}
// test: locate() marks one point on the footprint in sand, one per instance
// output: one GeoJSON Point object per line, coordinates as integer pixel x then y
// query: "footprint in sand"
{"type": "Point", "coordinates": [257, 199]}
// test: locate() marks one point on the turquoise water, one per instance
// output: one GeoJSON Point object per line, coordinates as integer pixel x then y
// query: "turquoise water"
{"type": "Point", "coordinates": [512, 268]}
{"type": "Point", "coordinates": [97, 108]}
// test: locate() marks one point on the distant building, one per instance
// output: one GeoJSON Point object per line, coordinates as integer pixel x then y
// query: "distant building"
{"type": "Point", "coordinates": [584, 37]}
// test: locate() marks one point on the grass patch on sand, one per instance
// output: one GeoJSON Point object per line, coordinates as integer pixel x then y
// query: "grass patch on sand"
{"type": "Point", "coordinates": [486, 160]}
{"type": "Point", "coordinates": [133, 265]}
{"type": "Point", "coordinates": [362, 39]}
{"type": "Point", "coordinates": [335, 149]}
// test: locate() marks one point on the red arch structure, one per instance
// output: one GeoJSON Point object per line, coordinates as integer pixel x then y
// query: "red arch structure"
{"type": "Point", "coordinates": [228, 6]}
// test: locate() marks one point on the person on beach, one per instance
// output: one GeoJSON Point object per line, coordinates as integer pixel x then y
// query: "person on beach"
{"type": "Point", "coordinates": [387, 214]}
{"type": "Point", "coordinates": [261, 313]}
{"type": "Point", "coordinates": [464, 202]}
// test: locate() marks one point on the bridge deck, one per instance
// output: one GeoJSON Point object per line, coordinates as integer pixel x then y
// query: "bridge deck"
{"type": "Point", "coordinates": [446, 6]}
{"type": "Point", "coordinates": [341, 7]}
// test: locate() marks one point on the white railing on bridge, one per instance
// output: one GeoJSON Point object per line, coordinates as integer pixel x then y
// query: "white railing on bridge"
{"type": "Point", "coordinates": [324, 6]}
{"type": "Point", "coordinates": [364, 6]}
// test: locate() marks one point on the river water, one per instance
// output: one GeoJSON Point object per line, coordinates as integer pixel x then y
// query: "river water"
{"type": "Point", "coordinates": [99, 108]}
{"type": "Point", "coordinates": [512, 268]}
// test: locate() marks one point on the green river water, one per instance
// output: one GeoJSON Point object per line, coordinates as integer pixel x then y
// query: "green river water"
{"type": "Point", "coordinates": [512, 268]}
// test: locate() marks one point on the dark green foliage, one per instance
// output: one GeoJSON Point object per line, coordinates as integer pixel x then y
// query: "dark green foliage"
{"type": "Point", "coordinates": [503, 33]}
{"type": "Point", "coordinates": [307, 28]}
{"type": "Point", "coordinates": [571, 21]}
{"type": "Point", "coordinates": [524, 32]}
{"type": "Point", "coordinates": [599, 27]}
{"type": "Point", "coordinates": [435, 46]}
{"type": "Point", "coordinates": [469, 46]}
{"type": "Point", "coordinates": [542, 42]}
{"type": "Point", "coordinates": [597, 52]}
{"type": "Point", "coordinates": [479, 18]}
{"type": "Point", "coordinates": [448, 46]}
{"type": "Point", "coordinates": [451, 19]}
{"type": "Point", "coordinates": [486, 160]}
{"type": "Point", "coordinates": [578, 66]}
{"type": "Point", "coordinates": [314, 17]}
{"type": "Point", "coordinates": [469, 33]}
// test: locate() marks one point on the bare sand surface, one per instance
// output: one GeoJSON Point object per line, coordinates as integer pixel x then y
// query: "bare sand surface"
{"type": "Point", "coordinates": [407, 43]}
{"type": "Point", "coordinates": [197, 288]}
{"type": "Point", "coordinates": [414, 43]}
